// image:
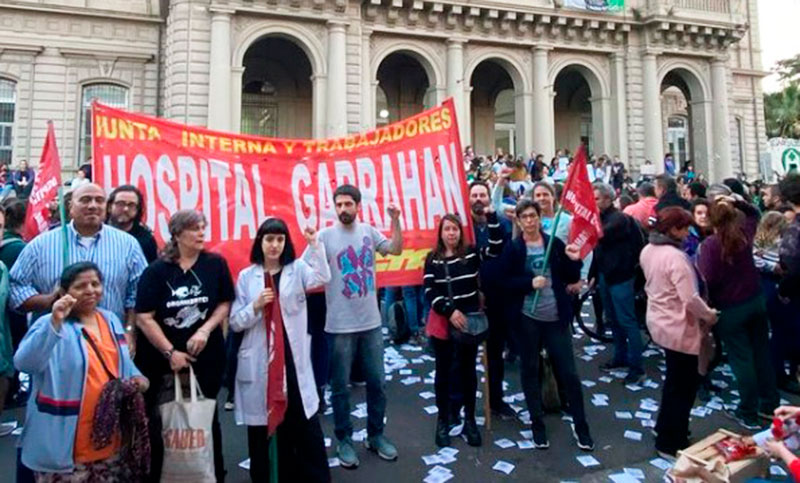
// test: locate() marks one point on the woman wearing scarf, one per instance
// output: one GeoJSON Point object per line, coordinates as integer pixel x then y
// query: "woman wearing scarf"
{"type": "Point", "coordinates": [678, 320]}
{"type": "Point", "coordinates": [272, 291]}
{"type": "Point", "coordinates": [73, 355]}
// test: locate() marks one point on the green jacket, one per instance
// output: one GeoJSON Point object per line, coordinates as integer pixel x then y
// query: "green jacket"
{"type": "Point", "coordinates": [10, 248]}
{"type": "Point", "coordinates": [6, 349]}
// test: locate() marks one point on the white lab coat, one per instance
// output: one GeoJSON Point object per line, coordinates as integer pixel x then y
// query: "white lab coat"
{"type": "Point", "coordinates": [305, 273]}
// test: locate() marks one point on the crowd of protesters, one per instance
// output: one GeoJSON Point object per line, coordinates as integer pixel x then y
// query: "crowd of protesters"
{"type": "Point", "coordinates": [114, 319]}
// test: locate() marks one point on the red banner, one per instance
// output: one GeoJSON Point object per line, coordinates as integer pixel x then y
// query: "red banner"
{"type": "Point", "coordinates": [237, 180]}
{"type": "Point", "coordinates": [45, 188]}
{"type": "Point", "coordinates": [578, 198]}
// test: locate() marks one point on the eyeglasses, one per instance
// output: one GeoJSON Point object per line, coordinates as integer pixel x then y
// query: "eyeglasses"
{"type": "Point", "coordinates": [126, 205]}
{"type": "Point", "coordinates": [528, 216]}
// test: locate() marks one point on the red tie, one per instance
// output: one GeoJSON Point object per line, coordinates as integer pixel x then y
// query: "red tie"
{"type": "Point", "coordinates": [277, 399]}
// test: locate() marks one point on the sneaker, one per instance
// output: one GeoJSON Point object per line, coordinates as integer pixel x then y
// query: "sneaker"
{"type": "Point", "coordinates": [539, 431]}
{"type": "Point", "coordinates": [381, 445]}
{"type": "Point", "coordinates": [634, 377]}
{"type": "Point", "coordinates": [612, 365]}
{"type": "Point", "coordinates": [583, 439]}
{"type": "Point", "coordinates": [7, 428]}
{"type": "Point", "coordinates": [228, 405]}
{"type": "Point", "coordinates": [745, 423]}
{"type": "Point", "coordinates": [504, 411]}
{"type": "Point", "coordinates": [442, 438]}
{"type": "Point", "coordinates": [347, 453]}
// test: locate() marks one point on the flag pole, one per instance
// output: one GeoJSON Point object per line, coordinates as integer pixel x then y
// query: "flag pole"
{"type": "Point", "coordinates": [62, 213]}
{"type": "Point", "coordinates": [547, 252]}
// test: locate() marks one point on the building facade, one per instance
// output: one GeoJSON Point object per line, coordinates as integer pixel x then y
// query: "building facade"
{"type": "Point", "coordinates": [525, 75]}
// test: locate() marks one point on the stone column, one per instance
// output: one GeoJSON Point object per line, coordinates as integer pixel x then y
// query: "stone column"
{"type": "Point", "coordinates": [721, 165]}
{"type": "Point", "coordinates": [367, 96]}
{"type": "Point", "coordinates": [455, 84]}
{"type": "Point", "coordinates": [523, 119]}
{"type": "Point", "coordinates": [601, 121]}
{"type": "Point", "coordinates": [543, 128]}
{"type": "Point", "coordinates": [653, 135]}
{"type": "Point", "coordinates": [236, 98]}
{"type": "Point", "coordinates": [336, 95]}
{"type": "Point", "coordinates": [619, 143]}
{"type": "Point", "coordinates": [219, 75]}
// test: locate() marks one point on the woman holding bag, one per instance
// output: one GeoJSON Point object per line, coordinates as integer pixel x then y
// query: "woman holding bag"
{"type": "Point", "coordinates": [546, 323]}
{"type": "Point", "coordinates": [71, 354]}
{"type": "Point", "coordinates": [276, 277]}
{"type": "Point", "coordinates": [182, 299]}
{"type": "Point", "coordinates": [456, 323]}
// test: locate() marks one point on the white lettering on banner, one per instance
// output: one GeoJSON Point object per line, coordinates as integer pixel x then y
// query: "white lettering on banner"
{"type": "Point", "coordinates": [43, 191]}
{"type": "Point", "coordinates": [232, 196]}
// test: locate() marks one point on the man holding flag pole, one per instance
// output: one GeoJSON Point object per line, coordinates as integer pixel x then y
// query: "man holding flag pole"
{"type": "Point", "coordinates": [538, 270]}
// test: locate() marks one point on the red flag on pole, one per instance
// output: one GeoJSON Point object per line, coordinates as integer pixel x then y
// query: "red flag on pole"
{"type": "Point", "coordinates": [45, 188]}
{"type": "Point", "coordinates": [277, 393]}
{"type": "Point", "coordinates": [578, 199]}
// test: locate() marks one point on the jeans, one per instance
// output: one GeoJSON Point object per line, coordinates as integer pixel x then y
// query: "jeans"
{"type": "Point", "coordinates": [557, 339]}
{"type": "Point", "coordinates": [743, 330]}
{"type": "Point", "coordinates": [677, 399]}
{"type": "Point", "coordinates": [414, 302]}
{"type": "Point", "coordinates": [618, 302]}
{"type": "Point", "coordinates": [368, 347]}
{"type": "Point", "coordinates": [463, 356]}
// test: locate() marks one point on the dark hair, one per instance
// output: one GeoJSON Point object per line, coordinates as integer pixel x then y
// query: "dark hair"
{"type": "Point", "coordinates": [784, 208]}
{"type": "Point", "coordinates": [272, 226]}
{"type": "Point", "coordinates": [698, 202]}
{"type": "Point", "coordinates": [697, 189]}
{"type": "Point", "coordinates": [127, 188]}
{"type": "Point", "coordinates": [480, 182]}
{"type": "Point", "coordinates": [727, 223]}
{"type": "Point", "coordinates": [347, 190]}
{"type": "Point", "coordinates": [625, 201]}
{"type": "Point", "coordinates": [646, 189]}
{"type": "Point", "coordinates": [737, 187]}
{"type": "Point", "coordinates": [526, 203]}
{"type": "Point", "coordinates": [439, 251]}
{"type": "Point", "coordinates": [790, 188]}
{"type": "Point", "coordinates": [180, 221]}
{"type": "Point", "coordinates": [672, 217]}
{"type": "Point", "coordinates": [70, 273]}
{"type": "Point", "coordinates": [15, 214]}
{"type": "Point", "coordinates": [667, 183]}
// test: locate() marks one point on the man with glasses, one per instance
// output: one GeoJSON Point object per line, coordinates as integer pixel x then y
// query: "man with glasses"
{"type": "Point", "coordinates": [125, 213]}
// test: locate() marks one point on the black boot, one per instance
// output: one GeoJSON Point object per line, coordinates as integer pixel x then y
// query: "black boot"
{"type": "Point", "coordinates": [470, 432]}
{"type": "Point", "coordinates": [442, 432]}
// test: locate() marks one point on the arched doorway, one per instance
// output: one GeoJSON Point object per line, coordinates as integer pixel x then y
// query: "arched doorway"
{"type": "Point", "coordinates": [684, 111]}
{"type": "Point", "coordinates": [404, 88]}
{"type": "Point", "coordinates": [572, 108]}
{"type": "Point", "coordinates": [493, 110]}
{"type": "Point", "coordinates": [277, 91]}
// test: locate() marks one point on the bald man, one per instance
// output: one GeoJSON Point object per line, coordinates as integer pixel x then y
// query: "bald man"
{"type": "Point", "coordinates": [35, 276]}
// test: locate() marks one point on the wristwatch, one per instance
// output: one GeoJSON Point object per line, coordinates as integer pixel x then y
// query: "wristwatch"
{"type": "Point", "coordinates": [168, 353]}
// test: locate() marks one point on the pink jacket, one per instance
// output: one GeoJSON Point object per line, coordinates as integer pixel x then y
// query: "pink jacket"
{"type": "Point", "coordinates": [642, 210]}
{"type": "Point", "coordinates": [674, 307]}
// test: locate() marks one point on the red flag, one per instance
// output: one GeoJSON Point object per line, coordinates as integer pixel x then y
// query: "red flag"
{"type": "Point", "coordinates": [45, 188]}
{"type": "Point", "coordinates": [578, 199]}
{"type": "Point", "coordinates": [277, 393]}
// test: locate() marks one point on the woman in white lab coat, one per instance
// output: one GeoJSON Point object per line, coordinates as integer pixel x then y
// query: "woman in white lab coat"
{"type": "Point", "coordinates": [276, 276]}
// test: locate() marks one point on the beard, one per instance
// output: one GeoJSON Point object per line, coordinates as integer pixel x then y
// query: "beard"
{"type": "Point", "coordinates": [346, 218]}
{"type": "Point", "coordinates": [478, 208]}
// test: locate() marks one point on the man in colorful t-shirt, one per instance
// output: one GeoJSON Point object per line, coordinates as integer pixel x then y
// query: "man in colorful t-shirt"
{"type": "Point", "coordinates": [354, 321]}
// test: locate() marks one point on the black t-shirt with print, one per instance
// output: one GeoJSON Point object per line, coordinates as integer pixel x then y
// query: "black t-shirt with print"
{"type": "Point", "coordinates": [183, 302]}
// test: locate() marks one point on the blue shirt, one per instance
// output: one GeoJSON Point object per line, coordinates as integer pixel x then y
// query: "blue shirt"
{"type": "Point", "coordinates": [118, 254]}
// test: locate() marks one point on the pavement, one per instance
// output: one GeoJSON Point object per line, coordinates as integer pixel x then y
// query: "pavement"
{"type": "Point", "coordinates": [619, 417]}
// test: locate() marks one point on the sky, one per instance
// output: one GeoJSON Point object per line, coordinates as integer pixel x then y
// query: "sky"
{"type": "Point", "coordinates": [779, 21]}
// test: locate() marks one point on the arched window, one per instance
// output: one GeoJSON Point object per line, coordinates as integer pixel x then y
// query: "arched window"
{"type": "Point", "coordinates": [109, 94]}
{"type": "Point", "coordinates": [8, 104]}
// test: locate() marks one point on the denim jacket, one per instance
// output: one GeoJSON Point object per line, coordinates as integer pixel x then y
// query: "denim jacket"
{"type": "Point", "coordinates": [56, 361]}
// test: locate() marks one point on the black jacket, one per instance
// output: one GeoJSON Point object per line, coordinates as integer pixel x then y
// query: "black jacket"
{"type": "Point", "coordinates": [518, 279]}
{"type": "Point", "coordinates": [617, 252]}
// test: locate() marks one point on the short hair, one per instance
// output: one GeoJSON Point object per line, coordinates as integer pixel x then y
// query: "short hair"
{"type": "Point", "coordinates": [672, 217]}
{"type": "Point", "coordinates": [526, 203]}
{"type": "Point", "coordinates": [790, 188]}
{"type": "Point", "coordinates": [646, 189]}
{"type": "Point", "coordinates": [606, 190]}
{"type": "Point", "coordinates": [717, 189]}
{"type": "Point", "coordinates": [700, 202]}
{"type": "Point", "coordinates": [70, 273]}
{"type": "Point", "coordinates": [736, 186]}
{"type": "Point", "coordinates": [697, 189]}
{"type": "Point", "coordinates": [666, 182]}
{"type": "Point", "coordinates": [347, 190]}
{"type": "Point", "coordinates": [178, 223]}
{"type": "Point", "coordinates": [480, 182]}
{"type": "Point", "coordinates": [546, 185]}
{"type": "Point", "coordinates": [127, 188]}
{"type": "Point", "coordinates": [272, 226]}
{"type": "Point", "coordinates": [15, 214]}
{"type": "Point", "coordinates": [625, 201]}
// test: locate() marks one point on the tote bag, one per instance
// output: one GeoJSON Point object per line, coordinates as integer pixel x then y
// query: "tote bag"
{"type": "Point", "coordinates": [188, 444]}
